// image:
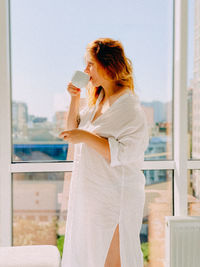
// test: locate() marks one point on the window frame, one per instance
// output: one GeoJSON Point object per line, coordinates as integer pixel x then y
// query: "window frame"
{"type": "Point", "coordinates": [180, 164]}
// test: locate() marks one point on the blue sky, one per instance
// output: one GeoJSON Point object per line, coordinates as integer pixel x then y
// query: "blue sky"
{"type": "Point", "coordinates": [48, 41]}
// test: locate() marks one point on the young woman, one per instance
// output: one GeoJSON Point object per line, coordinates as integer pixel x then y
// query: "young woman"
{"type": "Point", "coordinates": [107, 193]}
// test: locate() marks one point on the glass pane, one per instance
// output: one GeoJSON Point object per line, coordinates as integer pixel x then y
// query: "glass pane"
{"type": "Point", "coordinates": [48, 43]}
{"type": "Point", "coordinates": [194, 79]}
{"type": "Point", "coordinates": [39, 213]}
{"type": "Point", "coordinates": [158, 205]}
{"type": "Point", "coordinates": [40, 202]}
{"type": "Point", "coordinates": [194, 192]}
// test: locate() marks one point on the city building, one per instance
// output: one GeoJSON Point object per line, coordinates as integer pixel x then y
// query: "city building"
{"type": "Point", "coordinates": [19, 118]}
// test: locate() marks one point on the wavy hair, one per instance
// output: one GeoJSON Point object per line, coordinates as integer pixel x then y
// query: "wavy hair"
{"type": "Point", "coordinates": [110, 56]}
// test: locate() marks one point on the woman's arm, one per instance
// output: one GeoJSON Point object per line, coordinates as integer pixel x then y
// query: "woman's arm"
{"type": "Point", "coordinates": [73, 114]}
{"type": "Point", "coordinates": [73, 117]}
{"type": "Point", "coordinates": [100, 144]}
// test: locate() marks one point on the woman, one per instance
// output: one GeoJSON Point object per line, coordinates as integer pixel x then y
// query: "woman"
{"type": "Point", "coordinates": [107, 194]}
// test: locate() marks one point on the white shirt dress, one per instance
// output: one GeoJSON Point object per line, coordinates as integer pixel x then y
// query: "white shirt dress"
{"type": "Point", "coordinates": [104, 194]}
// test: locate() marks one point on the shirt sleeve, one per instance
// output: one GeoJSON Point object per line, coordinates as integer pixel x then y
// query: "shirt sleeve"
{"type": "Point", "coordinates": [130, 144]}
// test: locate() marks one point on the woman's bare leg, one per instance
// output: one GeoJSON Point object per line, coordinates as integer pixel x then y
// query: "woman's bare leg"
{"type": "Point", "coordinates": [113, 257]}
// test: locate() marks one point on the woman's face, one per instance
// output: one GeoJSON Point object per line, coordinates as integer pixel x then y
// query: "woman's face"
{"type": "Point", "coordinates": [92, 69]}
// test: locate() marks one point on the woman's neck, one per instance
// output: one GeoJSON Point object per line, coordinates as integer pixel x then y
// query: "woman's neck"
{"type": "Point", "coordinates": [110, 92]}
{"type": "Point", "coordinates": [108, 88]}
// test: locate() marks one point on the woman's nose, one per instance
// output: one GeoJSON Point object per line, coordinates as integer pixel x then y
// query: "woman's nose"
{"type": "Point", "coordinates": [86, 70]}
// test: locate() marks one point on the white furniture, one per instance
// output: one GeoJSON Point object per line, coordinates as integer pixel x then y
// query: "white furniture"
{"type": "Point", "coordinates": [182, 242]}
{"type": "Point", "coordinates": [30, 256]}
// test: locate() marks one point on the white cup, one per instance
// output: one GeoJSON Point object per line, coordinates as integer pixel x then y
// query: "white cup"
{"type": "Point", "coordinates": [80, 79]}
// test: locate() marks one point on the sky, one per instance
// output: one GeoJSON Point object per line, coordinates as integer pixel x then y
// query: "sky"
{"type": "Point", "coordinates": [49, 38]}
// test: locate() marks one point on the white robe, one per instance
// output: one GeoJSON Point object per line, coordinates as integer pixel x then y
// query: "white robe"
{"type": "Point", "coordinates": [104, 194]}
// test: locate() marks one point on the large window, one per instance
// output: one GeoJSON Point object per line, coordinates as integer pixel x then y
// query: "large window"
{"type": "Point", "coordinates": [44, 54]}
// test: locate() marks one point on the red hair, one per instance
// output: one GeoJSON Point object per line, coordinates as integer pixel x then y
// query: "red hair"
{"type": "Point", "coordinates": [110, 56]}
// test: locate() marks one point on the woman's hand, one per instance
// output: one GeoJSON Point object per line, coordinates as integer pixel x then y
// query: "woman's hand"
{"type": "Point", "coordinates": [73, 90]}
{"type": "Point", "coordinates": [98, 143]}
{"type": "Point", "coordinates": [74, 136]}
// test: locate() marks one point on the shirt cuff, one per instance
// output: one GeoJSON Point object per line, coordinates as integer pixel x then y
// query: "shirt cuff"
{"type": "Point", "coordinates": [114, 146]}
